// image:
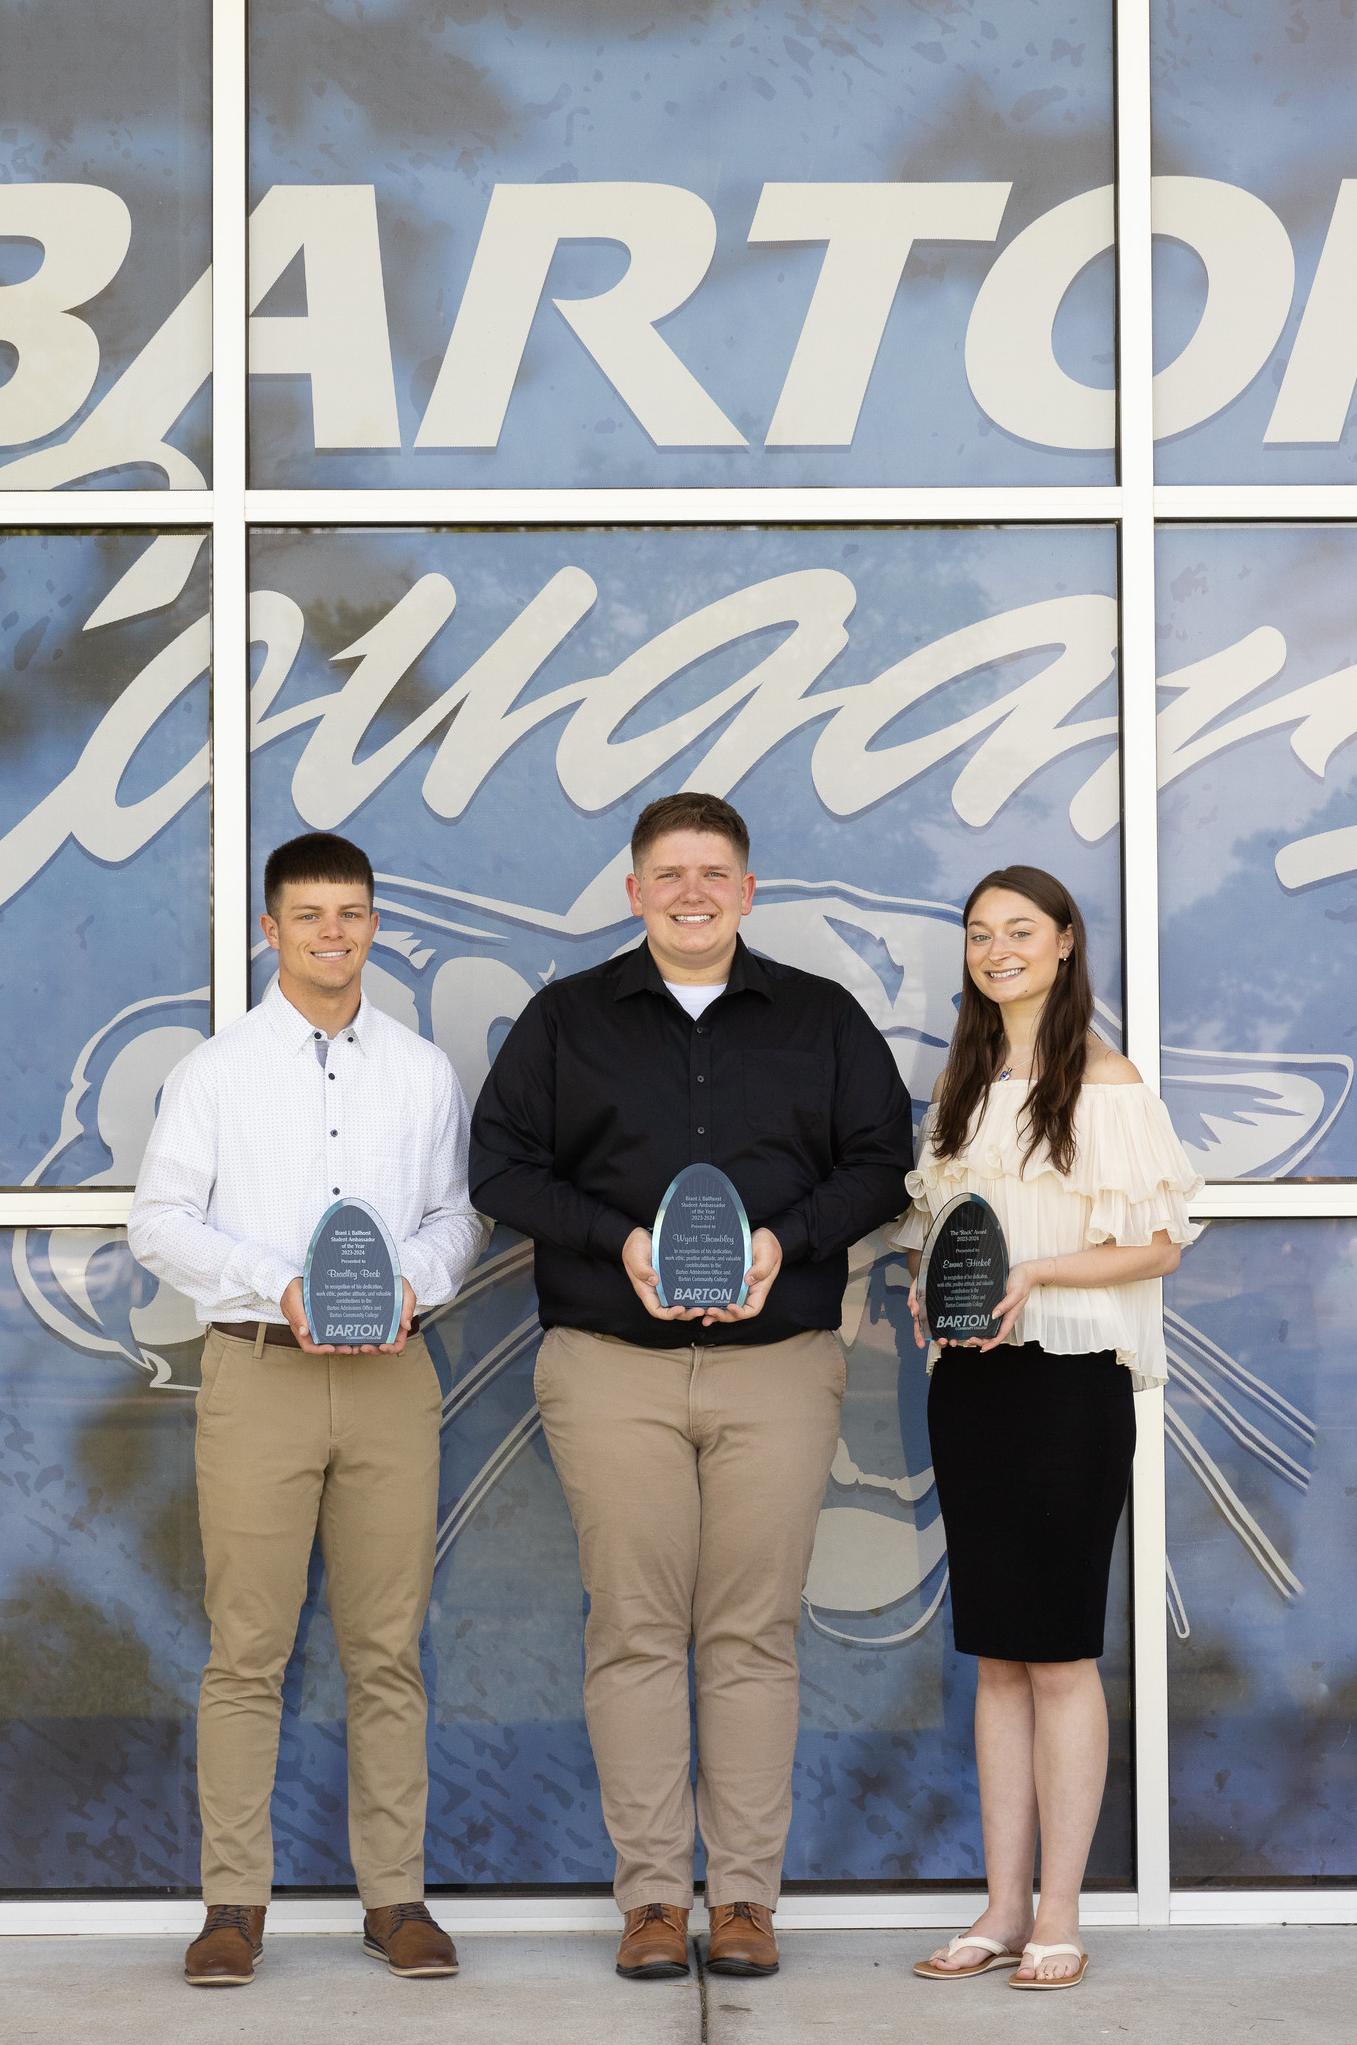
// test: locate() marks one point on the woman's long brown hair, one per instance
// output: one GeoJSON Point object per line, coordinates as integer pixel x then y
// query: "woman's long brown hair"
{"type": "Point", "coordinates": [1062, 1032]}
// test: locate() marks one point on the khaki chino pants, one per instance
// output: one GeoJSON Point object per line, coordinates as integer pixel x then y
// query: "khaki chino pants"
{"type": "Point", "coordinates": [288, 1446]}
{"type": "Point", "coordinates": [694, 1478]}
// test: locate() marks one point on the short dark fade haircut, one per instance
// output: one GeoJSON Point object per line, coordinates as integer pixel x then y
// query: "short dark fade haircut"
{"type": "Point", "coordinates": [688, 811]}
{"type": "Point", "coordinates": [315, 856]}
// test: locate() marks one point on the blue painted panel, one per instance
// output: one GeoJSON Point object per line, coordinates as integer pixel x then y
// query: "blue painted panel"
{"type": "Point", "coordinates": [1262, 1529]}
{"type": "Point", "coordinates": [107, 113]}
{"type": "Point", "coordinates": [1257, 98]}
{"type": "Point", "coordinates": [437, 107]}
{"type": "Point", "coordinates": [1258, 857]}
{"type": "Point", "coordinates": [104, 947]}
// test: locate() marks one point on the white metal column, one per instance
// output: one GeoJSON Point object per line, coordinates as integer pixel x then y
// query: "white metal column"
{"type": "Point", "coordinates": [230, 630]}
{"type": "Point", "coordinates": [1140, 856]}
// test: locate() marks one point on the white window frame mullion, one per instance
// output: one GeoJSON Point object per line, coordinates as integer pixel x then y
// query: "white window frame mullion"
{"type": "Point", "coordinates": [1256, 501]}
{"type": "Point", "coordinates": [927, 506]}
{"type": "Point", "coordinates": [230, 623]}
{"type": "Point", "coordinates": [1139, 853]}
{"type": "Point", "coordinates": [93, 509]}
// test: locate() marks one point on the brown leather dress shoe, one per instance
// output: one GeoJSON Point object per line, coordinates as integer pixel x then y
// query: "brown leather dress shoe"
{"type": "Point", "coordinates": [406, 1937]}
{"type": "Point", "coordinates": [654, 1943]}
{"type": "Point", "coordinates": [226, 1949]}
{"type": "Point", "coordinates": [741, 1939]}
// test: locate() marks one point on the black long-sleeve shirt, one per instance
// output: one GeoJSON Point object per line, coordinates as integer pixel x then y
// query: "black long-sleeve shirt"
{"type": "Point", "coordinates": [605, 1089]}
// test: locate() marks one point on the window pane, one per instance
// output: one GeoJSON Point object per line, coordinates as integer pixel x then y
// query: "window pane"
{"type": "Point", "coordinates": [104, 945]}
{"type": "Point", "coordinates": [517, 698]}
{"type": "Point", "coordinates": [1256, 229]}
{"type": "Point", "coordinates": [787, 245]}
{"type": "Point", "coordinates": [1262, 1529]}
{"type": "Point", "coordinates": [1258, 858]}
{"type": "Point", "coordinates": [101, 1628]}
{"type": "Point", "coordinates": [105, 207]}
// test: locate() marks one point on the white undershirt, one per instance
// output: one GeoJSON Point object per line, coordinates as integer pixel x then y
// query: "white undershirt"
{"type": "Point", "coordinates": [696, 999]}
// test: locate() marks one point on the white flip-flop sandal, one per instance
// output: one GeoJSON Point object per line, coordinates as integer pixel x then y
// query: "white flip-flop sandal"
{"type": "Point", "coordinates": [1040, 1953]}
{"type": "Point", "coordinates": [1000, 1956]}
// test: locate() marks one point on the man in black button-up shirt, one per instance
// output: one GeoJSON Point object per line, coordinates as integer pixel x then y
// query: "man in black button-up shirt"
{"type": "Point", "coordinates": [693, 1446]}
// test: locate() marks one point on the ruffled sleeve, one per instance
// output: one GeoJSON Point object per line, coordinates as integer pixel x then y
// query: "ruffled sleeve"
{"type": "Point", "coordinates": [1134, 1169]}
{"type": "Point", "coordinates": [918, 1217]}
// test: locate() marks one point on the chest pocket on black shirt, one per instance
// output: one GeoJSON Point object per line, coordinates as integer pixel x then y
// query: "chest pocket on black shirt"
{"type": "Point", "coordinates": [786, 1097]}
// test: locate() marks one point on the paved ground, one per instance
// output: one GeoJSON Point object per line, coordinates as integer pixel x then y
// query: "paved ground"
{"type": "Point", "coordinates": [1293, 1986]}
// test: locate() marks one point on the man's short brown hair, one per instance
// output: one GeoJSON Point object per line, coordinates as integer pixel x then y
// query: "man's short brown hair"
{"type": "Point", "coordinates": [315, 856]}
{"type": "Point", "coordinates": [688, 812]}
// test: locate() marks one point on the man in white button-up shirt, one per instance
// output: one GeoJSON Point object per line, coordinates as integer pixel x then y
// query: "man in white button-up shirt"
{"type": "Point", "coordinates": [312, 1096]}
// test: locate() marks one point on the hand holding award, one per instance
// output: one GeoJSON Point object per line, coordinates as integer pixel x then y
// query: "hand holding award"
{"type": "Point", "coordinates": [701, 1261]}
{"type": "Point", "coordinates": [963, 1273]}
{"type": "Point", "coordinates": [352, 1289]}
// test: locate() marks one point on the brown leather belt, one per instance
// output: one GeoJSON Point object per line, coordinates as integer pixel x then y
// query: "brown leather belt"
{"type": "Point", "coordinates": [273, 1331]}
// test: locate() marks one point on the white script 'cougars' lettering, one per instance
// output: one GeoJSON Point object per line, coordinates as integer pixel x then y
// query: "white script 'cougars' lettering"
{"type": "Point", "coordinates": [1000, 746]}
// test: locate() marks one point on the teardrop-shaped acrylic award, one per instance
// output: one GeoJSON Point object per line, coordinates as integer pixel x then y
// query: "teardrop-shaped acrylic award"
{"type": "Point", "coordinates": [351, 1286]}
{"type": "Point", "coordinates": [700, 1245]}
{"type": "Point", "coordinates": [963, 1272]}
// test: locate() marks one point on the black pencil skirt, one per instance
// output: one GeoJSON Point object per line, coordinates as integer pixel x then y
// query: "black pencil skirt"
{"type": "Point", "coordinates": [1032, 1456]}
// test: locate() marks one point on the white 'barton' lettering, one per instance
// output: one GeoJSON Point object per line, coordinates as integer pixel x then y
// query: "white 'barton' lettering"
{"type": "Point", "coordinates": [341, 344]}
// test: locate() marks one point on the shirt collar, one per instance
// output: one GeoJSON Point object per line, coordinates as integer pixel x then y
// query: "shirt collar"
{"type": "Point", "coordinates": [637, 970]}
{"type": "Point", "coordinates": [298, 1032]}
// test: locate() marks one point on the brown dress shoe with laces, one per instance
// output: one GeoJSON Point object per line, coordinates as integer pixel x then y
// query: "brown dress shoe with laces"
{"type": "Point", "coordinates": [225, 1951]}
{"type": "Point", "coordinates": [741, 1939]}
{"type": "Point", "coordinates": [406, 1937]}
{"type": "Point", "coordinates": [654, 1943]}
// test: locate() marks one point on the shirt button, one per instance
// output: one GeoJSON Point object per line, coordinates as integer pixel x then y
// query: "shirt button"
{"type": "Point", "coordinates": [334, 1132]}
{"type": "Point", "coordinates": [700, 1130]}
{"type": "Point", "coordinates": [329, 1075]}
{"type": "Point", "coordinates": [316, 1034]}
{"type": "Point", "coordinates": [701, 1079]}
{"type": "Point", "coordinates": [334, 1189]}
{"type": "Point", "coordinates": [350, 1039]}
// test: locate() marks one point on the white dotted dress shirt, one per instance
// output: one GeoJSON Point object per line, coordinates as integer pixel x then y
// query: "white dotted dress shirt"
{"type": "Point", "coordinates": [256, 1138]}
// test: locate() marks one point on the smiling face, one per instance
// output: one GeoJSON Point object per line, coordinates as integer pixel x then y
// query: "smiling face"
{"type": "Point", "coordinates": [1013, 949]}
{"type": "Point", "coordinates": [691, 892]}
{"type": "Point", "coordinates": [322, 934]}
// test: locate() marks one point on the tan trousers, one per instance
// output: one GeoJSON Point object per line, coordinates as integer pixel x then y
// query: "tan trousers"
{"type": "Point", "coordinates": [694, 1478]}
{"type": "Point", "coordinates": [289, 1445]}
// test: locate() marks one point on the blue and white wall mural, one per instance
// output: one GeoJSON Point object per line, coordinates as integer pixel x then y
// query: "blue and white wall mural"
{"type": "Point", "coordinates": [575, 243]}
{"type": "Point", "coordinates": [486, 711]}
{"type": "Point", "coordinates": [732, 242]}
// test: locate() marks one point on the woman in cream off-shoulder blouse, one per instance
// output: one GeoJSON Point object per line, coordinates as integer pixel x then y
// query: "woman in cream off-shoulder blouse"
{"type": "Point", "coordinates": [1032, 1430]}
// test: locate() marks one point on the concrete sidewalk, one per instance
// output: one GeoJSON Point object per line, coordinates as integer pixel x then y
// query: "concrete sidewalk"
{"type": "Point", "coordinates": [1294, 1986]}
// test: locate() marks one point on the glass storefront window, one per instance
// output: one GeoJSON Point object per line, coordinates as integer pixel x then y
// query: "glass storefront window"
{"type": "Point", "coordinates": [1257, 854]}
{"type": "Point", "coordinates": [1262, 1528]}
{"type": "Point", "coordinates": [104, 901]}
{"type": "Point", "coordinates": [105, 245]}
{"type": "Point", "coordinates": [101, 1629]}
{"type": "Point", "coordinates": [760, 245]}
{"type": "Point", "coordinates": [1255, 210]}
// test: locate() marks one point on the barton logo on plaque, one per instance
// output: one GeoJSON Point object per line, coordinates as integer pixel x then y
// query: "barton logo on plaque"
{"type": "Point", "coordinates": [351, 1286]}
{"type": "Point", "coordinates": [963, 1272]}
{"type": "Point", "coordinates": [700, 1245]}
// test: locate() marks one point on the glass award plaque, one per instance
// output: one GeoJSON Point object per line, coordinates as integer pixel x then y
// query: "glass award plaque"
{"type": "Point", "coordinates": [700, 1244]}
{"type": "Point", "coordinates": [963, 1272]}
{"type": "Point", "coordinates": [351, 1286]}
